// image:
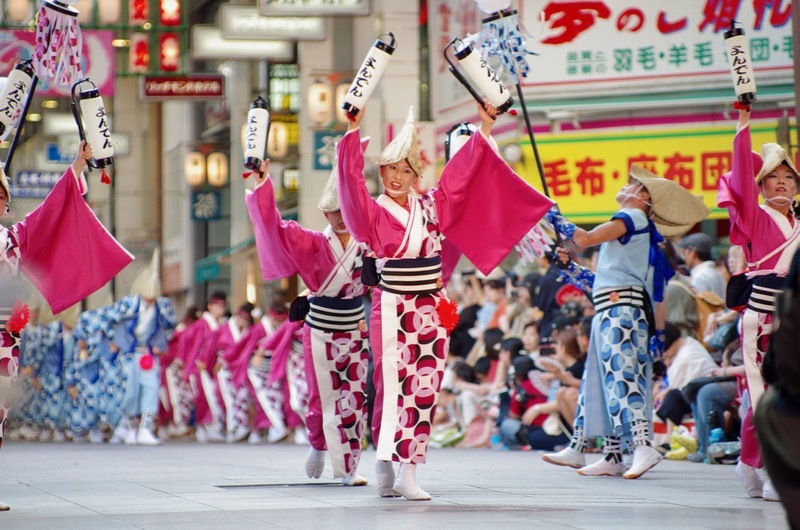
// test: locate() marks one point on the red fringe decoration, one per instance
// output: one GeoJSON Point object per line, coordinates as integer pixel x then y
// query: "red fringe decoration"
{"type": "Point", "coordinates": [19, 317]}
{"type": "Point", "coordinates": [247, 174]}
{"type": "Point", "coordinates": [448, 314]}
{"type": "Point", "coordinates": [741, 106]}
{"type": "Point", "coordinates": [104, 178]}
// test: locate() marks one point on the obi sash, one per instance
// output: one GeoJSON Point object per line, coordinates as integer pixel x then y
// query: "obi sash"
{"type": "Point", "coordinates": [335, 314]}
{"type": "Point", "coordinates": [412, 275]}
{"type": "Point", "coordinates": [765, 291]}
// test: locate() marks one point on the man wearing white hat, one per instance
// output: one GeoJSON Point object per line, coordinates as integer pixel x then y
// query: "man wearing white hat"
{"type": "Point", "coordinates": [615, 394]}
{"type": "Point", "coordinates": [481, 208]}
{"type": "Point", "coordinates": [140, 327]}
{"type": "Point", "coordinates": [63, 225]}
{"type": "Point", "coordinates": [335, 334]}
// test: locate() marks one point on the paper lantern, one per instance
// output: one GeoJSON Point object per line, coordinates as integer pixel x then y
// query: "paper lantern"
{"type": "Point", "coordinates": [368, 75]}
{"type": "Point", "coordinates": [217, 169]}
{"type": "Point", "coordinates": [194, 169]}
{"type": "Point", "coordinates": [320, 103]}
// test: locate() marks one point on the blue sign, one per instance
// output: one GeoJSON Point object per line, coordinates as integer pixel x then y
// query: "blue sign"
{"type": "Point", "coordinates": [206, 205]}
{"type": "Point", "coordinates": [54, 154]}
{"type": "Point", "coordinates": [325, 148]}
{"type": "Point", "coordinates": [32, 184]}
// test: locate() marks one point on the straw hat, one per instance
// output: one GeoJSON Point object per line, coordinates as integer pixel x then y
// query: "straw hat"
{"type": "Point", "coordinates": [148, 283]}
{"type": "Point", "coordinates": [671, 204]}
{"type": "Point", "coordinates": [4, 185]}
{"type": "Point", "coordinates": [496, 274]}
{"type": "Point", "coordinates": [70, 316]}
{"type": "Point", "coordinates": [329, 202]}
{"type": "Point", "coordinates": [773, 155]}
{"type": "Point", "coordinates": [404, 146]}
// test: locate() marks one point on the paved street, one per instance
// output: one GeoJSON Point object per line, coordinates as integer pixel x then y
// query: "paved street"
{"type": "Point", "coordinates": [187, 485]}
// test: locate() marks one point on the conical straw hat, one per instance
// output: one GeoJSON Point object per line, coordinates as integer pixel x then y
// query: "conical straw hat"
{"type": "Point", "coordinates": [671, 203]}
{"type": "Point", "coordinates": [148, 283]}
{"type": "Point", "coordinates": [404, 146]}
{"type": "Point", "coordinates": [329, 202]}
{"type": "Point", "coordinates": [773, 155]}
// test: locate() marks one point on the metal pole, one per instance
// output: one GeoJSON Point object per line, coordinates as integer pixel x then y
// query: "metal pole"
{"type": "Point", "coordinates": [528, 126]}
{"type": "Point", "coordinates": [18, 132]}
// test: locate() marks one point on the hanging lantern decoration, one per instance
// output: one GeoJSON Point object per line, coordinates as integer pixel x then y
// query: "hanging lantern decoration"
{"type": "Point", "coordinates": [217, 169]}
{"type": "Point", "coordinates": [278, 144]}
{"type": "Point", "coordinates": [368, 75]}
{"type": "Point", "coordinates": [320, 103]}
{"type": "Point", "coordinates": [478, 71]}
{"type": "Point", "coordinates": [139, 12]}
{"type": "Point", "coordinates": [457, 136]}
{"type": "Point", "coordinates": [255, 145]}
{"type": "Point", "coordinates": [139, 53]}
{"type": "Point", "coordinates": [93, 125]}
{"type": "Point", "coordinates": [109, 11]}
{"type": "Point", "coordinates": [58, 43]}
{"type": "Point", "coordinates": [744, 82]}
{"type": "Point", "coordinates": [170, 13]}
{"type": "Point", "coordinates": [339, 94]}
{"type": "Point", "coordinates": [194, 169]}
{"type": "Point", "coordinates": [18, 12]}
{"type": "Point", "coordinates": [170, 52]}
{"type": "Point", "coordinates": [14, 95]}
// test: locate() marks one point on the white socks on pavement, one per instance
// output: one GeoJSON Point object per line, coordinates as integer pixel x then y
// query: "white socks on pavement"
{"type": "Point", "coordinates": [385, 475]}
{"type": "Point", "coordinates": [406, 484]}
{"type": "Point", "coordinates": [315, 463]}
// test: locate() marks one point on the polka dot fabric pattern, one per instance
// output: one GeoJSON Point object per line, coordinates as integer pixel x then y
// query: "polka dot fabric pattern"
{"type": "Point", "coordinates": [9, 367]}
{"type": "Point", "coordinates": [422, 345]}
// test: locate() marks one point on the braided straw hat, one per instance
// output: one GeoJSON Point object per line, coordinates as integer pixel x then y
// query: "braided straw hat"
{"type": "Point", "coordinates": [404, 146]}
{"type": "Point", "coordinates": [672, 205]}
{"type": "Point", "coordinates": [329, 201]}
{"type": "Point", "coordinates": [773, 155]}
{"type": "Point", "coordinates": [4, 184]}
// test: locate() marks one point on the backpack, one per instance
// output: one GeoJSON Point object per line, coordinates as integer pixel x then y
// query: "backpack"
{"type": "Point", "coordinates": [706, 302]}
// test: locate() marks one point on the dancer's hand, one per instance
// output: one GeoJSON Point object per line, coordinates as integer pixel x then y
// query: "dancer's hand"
{"type": "Point", "coordinates": [488, 114]}
{"type": "Point", "coordinates": [84, 154]}
{"type": "Point", "coordinates": [354, 122]}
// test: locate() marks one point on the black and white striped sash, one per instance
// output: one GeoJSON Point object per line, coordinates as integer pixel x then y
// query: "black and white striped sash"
{"type": "Point", "coordinates": [335, 314]}
{"type": "Point", "coordinates": [614, 296]}
{"type": "Point", "coordinates": [412, 276]}
{"type": "Point", "coordinates": [765, 290]}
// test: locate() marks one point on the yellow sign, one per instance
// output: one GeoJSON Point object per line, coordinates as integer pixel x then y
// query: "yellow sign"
{"type": "Point", "coordinates": [584, 171]}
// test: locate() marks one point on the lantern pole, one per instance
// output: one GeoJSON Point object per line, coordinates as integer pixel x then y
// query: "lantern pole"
{"type": "Point", "coordinates": [17, 133]}
{"type": "Point", "coordinates": [529, 128]}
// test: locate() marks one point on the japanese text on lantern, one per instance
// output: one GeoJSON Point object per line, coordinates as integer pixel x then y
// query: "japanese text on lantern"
{"type": "Point", "coordinates": [363, 77]}
{"type": "Point", "coordinates": [102, 126]}
{"type": "Point", "coordinates": [739, 65]}
{"type": "Point", "coordinates": [252, 132]}
{"type": "Point", "coordinates": [13, 102]}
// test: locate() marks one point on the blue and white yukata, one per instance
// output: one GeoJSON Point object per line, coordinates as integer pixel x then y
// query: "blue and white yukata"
{"type": "Point", "coordinates": [58, 346]}
{"type": "Point", "coordinates": [141, 332]}
{"type": "Point", "coordinates": [615, 400]}
{"type": "Point", "coordinates": [85, 374]}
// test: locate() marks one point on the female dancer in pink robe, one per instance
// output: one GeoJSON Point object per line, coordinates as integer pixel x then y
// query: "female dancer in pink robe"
{"type": "Point", "coordinates": [483, 209]}
{"type": "Point", "coordinates": [334, 335]}
{"type": "Point", "coordinates": [770, 236]}
{"type": "Point", "coordinates": [63, 250]}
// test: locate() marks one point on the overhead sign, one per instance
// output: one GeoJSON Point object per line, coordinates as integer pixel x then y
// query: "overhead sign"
{"type": "Point", "coordinates": [245, 22]}
{"type": "Point", "coordinates": [209, 43]}
{"type": "Point", "coordinates": [191, 86]}
{"type": "Point", "coordinates": [313, 7]}
{"type": "Point", "coordinates": [68, 144]}
{"type": "Point", "coordinates": [33, 184]}
{"type": "Point", "coordinates": [584, 171]}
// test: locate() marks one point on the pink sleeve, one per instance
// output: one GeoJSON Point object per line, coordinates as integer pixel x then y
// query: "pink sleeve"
{"type": "Point", "coordinates": [65, 251]}
{"type": "Point", "coordinates": [359, 209]}
{"type": "Point", "coordinates": [738, 191]}
{"type": "Point", "coordinates": [282, 245]}
{"type": "Point", "coordinates": [484, 208]}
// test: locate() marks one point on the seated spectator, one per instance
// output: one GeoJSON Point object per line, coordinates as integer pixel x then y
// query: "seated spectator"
{"type": "Point", "coordinates": [530, 339]}
{"type": "Point", "coordinates": [520, 311]}
{"type": "Point", "coordinates": [686, 359]}
{"type": "Point", "coordinates": [514, 431]}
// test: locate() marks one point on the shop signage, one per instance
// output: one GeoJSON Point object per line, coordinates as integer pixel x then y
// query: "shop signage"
{"type": "Point", "coordinates": [245, 22]}
{"type": "Point", "coordinates": [314, 7]}
{"type": "Point", "coordinates": [191, 86]}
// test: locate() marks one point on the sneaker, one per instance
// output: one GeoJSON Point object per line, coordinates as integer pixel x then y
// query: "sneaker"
{"type": "Point", "coordinates": [119, 436]}
{"type": "Point", "coordinates": [644, 458]}
{"type": "Point", "coordinates": [684, 440]}
{"type": "Point", "coordinates": [677, 454]}
{"type": "Point", "coordinates": [749, 478]}
{"type": "Point", "coordinates": [566, 457]}
{"type": "Point", "coordinates": [276, 434]}
{"type": "Point", "coordinates": [768, 492]}
{"type": "Point", "coordinates": [354, 480]}
{"type": "Point", "coordinates": [301, 436]}
{"type": "Point", "coordinates": [95, 436]}
{"type": "Point", "coordinates": [696, 457]}
{"type": "Point", "coordinates": [130, 438]}
{"type": "Point", "coordinates": [603, 468]}
{"type": "Point", "coordinates": [146, 437]}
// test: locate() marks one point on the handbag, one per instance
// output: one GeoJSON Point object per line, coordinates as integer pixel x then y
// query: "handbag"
{"type": "Point", "coordinates": [722, 336]}
{"type": "Point", "coordinates": [369, 272]}
{"type": "Point", "coordinates": [737, 292]}
{"type": "Point", "coordinates": [689, 392]}
{"type": "Point", "coordinates": [552, 425]}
